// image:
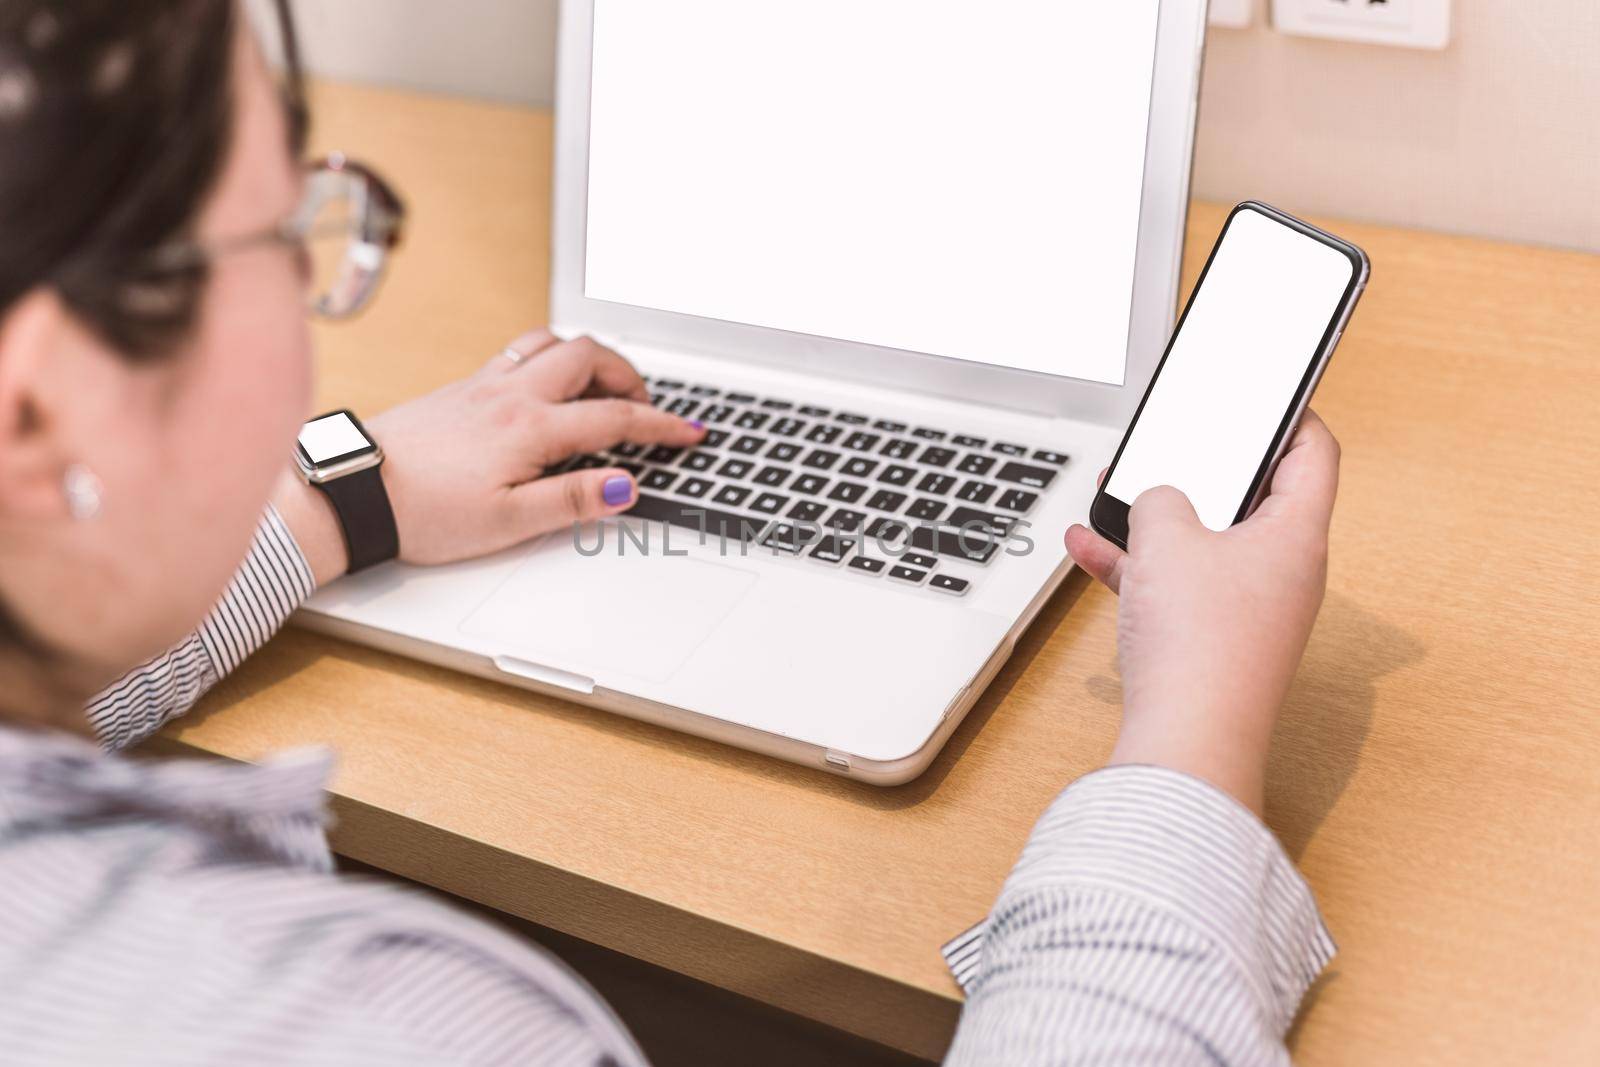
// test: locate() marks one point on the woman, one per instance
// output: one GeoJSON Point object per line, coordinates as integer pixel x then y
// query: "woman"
{"type": "Point", "coordinates": [154, 370]}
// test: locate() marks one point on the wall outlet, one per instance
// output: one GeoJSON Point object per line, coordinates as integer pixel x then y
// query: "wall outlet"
{"type": "Point", "coordinates": [1405, 23]}
{"type": "Point", "coordinates": [1236, 14]}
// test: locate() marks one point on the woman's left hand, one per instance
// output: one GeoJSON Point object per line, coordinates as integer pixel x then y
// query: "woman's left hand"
{"type": "Point", "coordinates": [464, 465]}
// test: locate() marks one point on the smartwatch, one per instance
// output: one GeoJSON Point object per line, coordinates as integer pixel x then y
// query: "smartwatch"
{"type": "Point", "coordinates": [336, 456]}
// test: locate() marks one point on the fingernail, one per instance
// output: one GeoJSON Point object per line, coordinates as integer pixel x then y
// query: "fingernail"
{"type": "Point", "coordinates": [617, 490]}
{"type": "Point", "coordinates": [697, 424]}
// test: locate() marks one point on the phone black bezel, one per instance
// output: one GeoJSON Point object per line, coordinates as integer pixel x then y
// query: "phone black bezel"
{"type": "Point", "coordinates": [1108, 516]}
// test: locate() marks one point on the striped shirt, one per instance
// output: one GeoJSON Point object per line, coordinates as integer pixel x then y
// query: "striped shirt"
{"type": "Point", "coordinates": [181, 912]}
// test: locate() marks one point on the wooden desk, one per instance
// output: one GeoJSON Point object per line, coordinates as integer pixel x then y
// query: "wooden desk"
{"type": "Point", "coordinates": [1437, 775]}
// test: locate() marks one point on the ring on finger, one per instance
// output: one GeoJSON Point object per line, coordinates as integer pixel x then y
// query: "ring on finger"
{"type": "Point", "coordinates": [513, 355]}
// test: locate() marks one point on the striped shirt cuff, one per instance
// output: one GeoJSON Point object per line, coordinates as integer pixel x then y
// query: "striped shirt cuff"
{"type": "Point", "coordinates": [271, 583]}
{"type": "Point", "coordinates": [1134, 847]}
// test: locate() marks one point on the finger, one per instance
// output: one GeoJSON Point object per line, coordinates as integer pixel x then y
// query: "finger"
{"type": "Point", "coordinates": [1160, 512]}
{"type": "Point", "coordinates": [1307, 479]}
{"type": "Point", "coordinates": [525, 347]}
{"type": "Point", "coordinates": [547, 504]}
{"type": "Point", "coordinates": [591, 425]}
{"type": "Point", "coordinates": [583, 366]}
{"type": "Point", "coordinates": [1099, 558]}
{"type": "Point", "coordinates": [1100, 479]}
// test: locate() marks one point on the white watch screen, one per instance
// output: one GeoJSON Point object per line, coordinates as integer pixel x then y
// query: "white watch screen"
{"type": "Point", "coordinates": [332, 437]}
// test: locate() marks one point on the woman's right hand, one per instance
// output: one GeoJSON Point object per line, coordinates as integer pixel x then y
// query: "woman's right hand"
{"type": "Point", "coordinates": [1211, 626]}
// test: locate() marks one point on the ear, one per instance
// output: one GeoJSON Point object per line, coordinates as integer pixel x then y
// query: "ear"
{"type": "Point", "coordinates": [32, 463]}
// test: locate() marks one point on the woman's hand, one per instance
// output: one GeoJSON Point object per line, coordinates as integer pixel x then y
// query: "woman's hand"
{"type": "Point", "coordinates": [464, 465]}
{"type": "Point", "coordinates": [1211, 626]}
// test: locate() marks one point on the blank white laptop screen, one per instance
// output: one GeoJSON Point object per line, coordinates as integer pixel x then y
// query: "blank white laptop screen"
{"type": "Point", "coordinates": [954, 177]}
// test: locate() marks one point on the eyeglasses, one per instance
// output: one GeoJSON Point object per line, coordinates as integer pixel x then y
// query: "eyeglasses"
{"type": "Point", "coordinates": [348, 222]}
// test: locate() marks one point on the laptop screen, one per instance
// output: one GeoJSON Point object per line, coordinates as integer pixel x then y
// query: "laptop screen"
{"type": "Point", "coordinates": [954, 177]}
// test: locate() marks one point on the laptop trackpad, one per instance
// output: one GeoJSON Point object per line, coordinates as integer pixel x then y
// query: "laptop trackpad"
{"type": "Point", "coordinates": [609, 614]}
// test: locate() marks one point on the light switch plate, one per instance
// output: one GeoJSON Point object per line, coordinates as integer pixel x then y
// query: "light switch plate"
{"type": "Point", "coordinates": [1403, 23]}
{"type": "Point", "coordinates": [1235, 14]}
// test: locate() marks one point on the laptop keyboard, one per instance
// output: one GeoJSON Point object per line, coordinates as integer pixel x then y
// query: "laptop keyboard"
{"type": "Point", "coordinates": [874, 497]}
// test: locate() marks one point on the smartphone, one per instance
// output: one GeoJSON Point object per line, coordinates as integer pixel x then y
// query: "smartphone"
{"type": "Point", "coordinates": [1226, 398]}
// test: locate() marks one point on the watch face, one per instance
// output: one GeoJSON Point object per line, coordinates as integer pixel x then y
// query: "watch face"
{"type": "Point", "coordinates": [334, 438]}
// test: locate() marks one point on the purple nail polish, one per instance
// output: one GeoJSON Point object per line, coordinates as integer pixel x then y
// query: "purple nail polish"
{"type": "Point", "coordinates": [697, 424]}
{"type": "Point", "coordinates": [617, 490]}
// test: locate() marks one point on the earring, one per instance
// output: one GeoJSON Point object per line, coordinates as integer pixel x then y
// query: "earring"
{"type": "Point", "coordinates": [82, 490]}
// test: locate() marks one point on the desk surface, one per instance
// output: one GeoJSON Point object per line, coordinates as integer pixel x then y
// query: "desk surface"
{"type": "Point", "coordinates": [1437, 773]}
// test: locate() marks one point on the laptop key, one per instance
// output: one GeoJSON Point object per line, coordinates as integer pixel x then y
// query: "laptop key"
{"type": "Point", "coordinates": [907, 574]}
{"type": "Point", "coordinates": [1016, 500]}
{"type": "Point", "coordinates": [809, 485]}
{"type": "Point", "coordinates": [899, 449]}
{"type": "Point", "coordinates": [974, 546]}
{"type": "Point", "coordinates": [627, 450]}
{"type": "Point", "coordinates": [748, 445]}
{"type": "Point", "coordinates": [1059, 459]}
{"type": "Point", "coordinates": [773, 476]}
{"type": "Point", "coordinates": [695, 487]}
{"type": "Point", "coordinates": [936, 483]}
{"type": "Point", "coordinates": [705, 390]}
{"type": "Point", "coordinates": [740, 398]}
{"type": "Point", "coordinates": [668, 383]}
{"type": "Point", "coordinates": [857, 467]}
{"type": "Point", "coordinates": [824, 435]}
{"type": "Point", "coordinates": [948, 584]}
{"type": "Point", "coordinates": [634, 469]}
{"type": "Point", "coordinates": [662, 454]}
{"type": "Point", "coordinates": [807, 511]}
{"type": "Point", "coordinates": [768, 503]}
{"type": "Point", "coordinates": [847, 492]}
{"type": "Point", "coordinates": [716, 413]}
{"type": "Point", "coordinates": [820, 459]}
{"type": "Point", "coordinates": [732, 495]}
{"type": "Point", "coordinates": [682, 406]}
{"type": "Point", "coordinates": [787, 427]}
{"type": "Point", "coordinates": [784, 538]}
{"type": "Point", "coordinates": [713, 438]}
{"type": "Point", "coordinates": [751, 420]}
{"type": "Point", "coordinates": [861, 442]}
{"type": "Point", "coordinates": [850, 418]}
{"type": "Point", "coordinates": [709, 521]}
{"type": "Point", "coordinates": [897, 475]}
{"type": "Point", "coordinates": [973, 519]}
{"type": "Point", "coordinates": [1009, 449]}
{"type": "Point", "coordinates": [925, 510]}
{"type": "Point", "coordinates": [736, 468]}
{"type": "Point", "coordinates": [699, 461]}
{"type": "Point", "coordinates": [965, 441]}
{"type": "Point", "coordinates": [885, 500]}
{"type": "Point", "coordinates": [846, 520]}
{"type": "Point", "coordinates": [1023, 474]}
{"type": "Point", "coordinates": [784, 452]}
{"type": "Point", "coordinates": [917, 559]}
{"type": "Point", "coordinates": [832, 549]}
{"type": "Point", "coordinates": [889, 426]}
{"type": "Point", "coordinates": [934, 456]}
{"type": "Point", "coordinates": [658, 479]}
{"type": "Point", "coordinates": [926, 434]}
{"type": "Point", "coordinates": [887, 531]}
{"type": "Point", "coordinates": [976, 492]}
{"type": "Point", "coordinates": [773, 404]}
{"type": "Point", "coordinates": [973, 463]}
{"type": "Point", "coordinates": [814, 412]}
{"type": "Point", "coordinates": [868, 565]}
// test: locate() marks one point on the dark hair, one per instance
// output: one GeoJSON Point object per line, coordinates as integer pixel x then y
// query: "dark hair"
{"type": "Point", "coordinates": [115, 120]}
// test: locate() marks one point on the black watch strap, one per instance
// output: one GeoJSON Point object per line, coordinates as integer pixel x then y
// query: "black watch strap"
{"type": "Point", "coordinates": [362, 505]}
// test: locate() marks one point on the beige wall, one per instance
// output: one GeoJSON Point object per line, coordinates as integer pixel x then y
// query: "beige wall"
{"type": "Point", "coordinates": [1499, 135]}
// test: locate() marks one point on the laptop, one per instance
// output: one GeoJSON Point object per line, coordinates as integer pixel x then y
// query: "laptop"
{"type": "Point", "coordinates": [913, 263]}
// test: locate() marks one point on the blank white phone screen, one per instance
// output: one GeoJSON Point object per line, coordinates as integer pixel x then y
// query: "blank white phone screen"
{"type": "Point", "coordinates": [955, 177]}
{"type": "Point", "coordinates": [1252, 331]}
